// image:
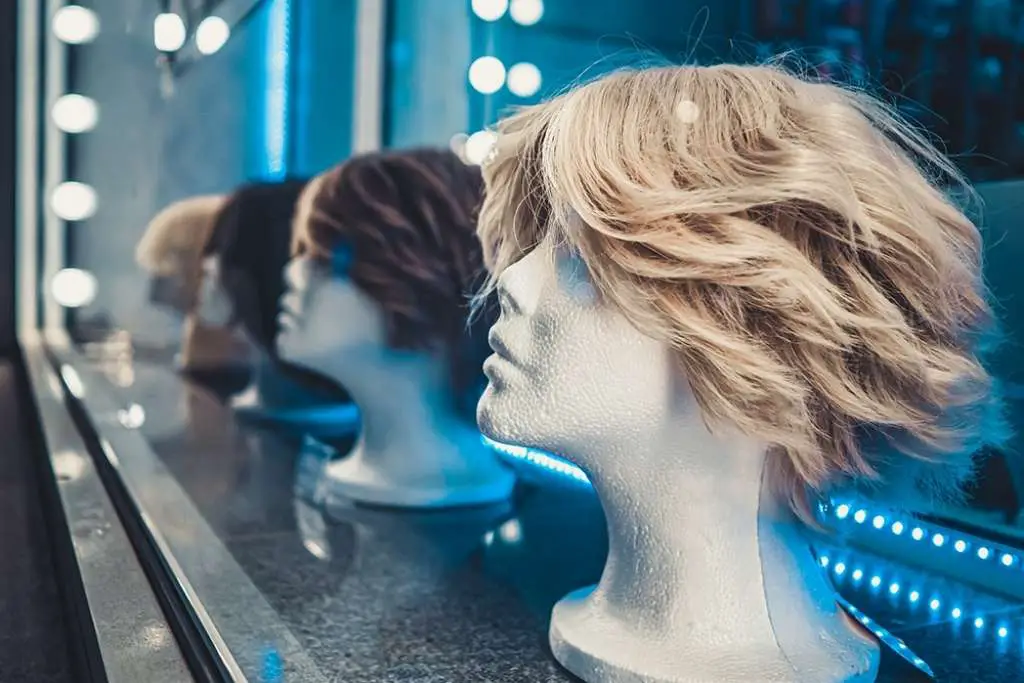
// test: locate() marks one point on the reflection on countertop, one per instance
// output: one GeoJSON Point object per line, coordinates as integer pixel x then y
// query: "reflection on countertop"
{"type": "Point", "coordinates": [388, 595]}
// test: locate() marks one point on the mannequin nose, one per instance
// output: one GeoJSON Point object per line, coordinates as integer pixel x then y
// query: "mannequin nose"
{"type": "Point", "coordinates": [519, 288]}
{"type": "Point", "coordinates": [295, 274]}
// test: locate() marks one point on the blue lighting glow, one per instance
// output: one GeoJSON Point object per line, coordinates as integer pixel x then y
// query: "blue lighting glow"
{"type": "Point", "coordinates": [278, 68]}
{"type": "Point", "coordinates": [838, 567]}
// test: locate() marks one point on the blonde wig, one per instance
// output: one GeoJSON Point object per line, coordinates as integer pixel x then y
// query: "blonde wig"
{"type": "Point", "coordinates": [789, 239]}
{"type": "Point", "coordinates": [174, 241]}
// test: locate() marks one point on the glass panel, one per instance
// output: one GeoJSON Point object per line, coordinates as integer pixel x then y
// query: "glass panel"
{"type": "Point", "coordinates": [194, 148]}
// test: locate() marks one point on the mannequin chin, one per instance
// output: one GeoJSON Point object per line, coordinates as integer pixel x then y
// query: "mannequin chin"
{"type": "Point", "coordinates": [708, 578]}
{"type": "Point", "coordinates": [413, 450]}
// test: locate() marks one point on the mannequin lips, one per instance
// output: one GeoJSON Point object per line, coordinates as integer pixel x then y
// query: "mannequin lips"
{"type": "Point", "coordinates": [499, 347]}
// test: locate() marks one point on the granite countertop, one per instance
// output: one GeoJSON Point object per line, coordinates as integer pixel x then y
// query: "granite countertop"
{"type": "Point", "coordinates": [383, 595]}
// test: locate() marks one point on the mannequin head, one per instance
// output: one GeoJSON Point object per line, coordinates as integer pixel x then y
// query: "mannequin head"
{"type": "Point", "coordinates": [765, 256]}
{"type": "Point", "coordinates": [172, 247]}
{"type": "Point", "coordinates": [386, 259]}
{"type": "Point", "coordinates": [246, 255]}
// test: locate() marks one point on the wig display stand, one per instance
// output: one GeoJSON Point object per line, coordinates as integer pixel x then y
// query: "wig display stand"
{"type": "Point", "coordinates": [418, 480]}
{"type": "Point", "coordinates": [271, 399]}
{"type": "Point", "coordinates": [724, 591]}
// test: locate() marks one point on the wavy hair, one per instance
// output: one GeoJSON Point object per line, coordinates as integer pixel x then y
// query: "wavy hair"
{"type": "Point", "coordinates": [174, 241]}
{"type": "Point", "coordinates": [407, 221]}
{"type": "Point", "coordinates": [789, 239]}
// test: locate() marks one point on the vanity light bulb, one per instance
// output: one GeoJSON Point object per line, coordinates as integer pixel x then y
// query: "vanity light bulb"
{"type": "Point", "coordinates": [212, 34]}
{"type": "Point", "coordinates": [478, 146]}
{"type": "Point", "coordinates": [526, 12]}
{"type": "Point", "coordinates": [168, 32]}
{"type": "Point", "coordinates": [524, 79]}
{"type": "Point", "coordinates": [75, 25]}
{"type": "Point", "coordinates": [73, 287]}
{"type": "Point", "coordinates": [75, 113]}
{"type": "Point", "coordinates": [487, 75]}
{"type": "Point", "coordinates": [490, 10]}
{"type": "Point", "coordinates": [74, 201]}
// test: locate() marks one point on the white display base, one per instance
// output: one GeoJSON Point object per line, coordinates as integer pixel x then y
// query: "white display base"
{"type": "Point", "coordinates": [354, 478]}
{"type": "Point", "coordinates": [599, 649]}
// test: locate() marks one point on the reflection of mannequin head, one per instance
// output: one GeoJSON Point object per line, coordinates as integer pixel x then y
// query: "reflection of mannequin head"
{"type": "Point", "coordinates": [722, 288]}
{"type": "Point", "coordinates": [245, 258]}
{"type": "Point", "coordinates": [404, 224]}
{"type": "Point", "coordinates": [171, 251]}
{"type": "Point", "coordinates": [173, 243]}
{"type": "Point", "coordinates": [378, 301]}
{"type": "Point", "coordinates": [250, 245]}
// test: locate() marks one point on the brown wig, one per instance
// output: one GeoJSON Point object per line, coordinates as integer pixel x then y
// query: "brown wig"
{"type": "Point", "coordinates": [407, 223]}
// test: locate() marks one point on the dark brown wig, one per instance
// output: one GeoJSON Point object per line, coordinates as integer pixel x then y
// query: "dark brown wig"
{"type": "Point", "coordinates": [406, 222]}
{"type": "Point", "coordinates": [250, 238]}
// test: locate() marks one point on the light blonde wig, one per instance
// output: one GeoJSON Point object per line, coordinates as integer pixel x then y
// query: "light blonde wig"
{"type": "Point", "coordinates": [789, 239]}
{"type": "Point", "coordinates": [175, 238]}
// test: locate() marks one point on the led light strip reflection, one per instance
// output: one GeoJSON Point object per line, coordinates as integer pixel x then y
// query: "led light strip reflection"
{"type": "Point", "coordinates": [858, 513]}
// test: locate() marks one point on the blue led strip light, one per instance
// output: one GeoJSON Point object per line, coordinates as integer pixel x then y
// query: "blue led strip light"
{"type": "Point", "coordinates": [886, 521]}
{"type": "Point", "coordinates": [278, 87]}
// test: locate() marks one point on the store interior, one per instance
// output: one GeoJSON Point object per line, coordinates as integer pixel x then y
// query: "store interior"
{"type": "Point", "coordinates": [203, 163]}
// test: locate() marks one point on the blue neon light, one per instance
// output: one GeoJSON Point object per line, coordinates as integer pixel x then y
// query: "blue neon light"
{"type": "Point", "coordinates": [278, 87]}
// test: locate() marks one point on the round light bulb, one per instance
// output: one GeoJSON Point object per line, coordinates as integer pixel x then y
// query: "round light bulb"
{"type": "Point", "coordinates": [73, 287]}
{"type": "Point", "coordinates": [490, 10]}
{"type": "Point", "coordinates": [524, 79]}
{"type": "Point", "coordinates": [75, 24]}
{"type": "Point", "coordinates": [487, 75]}
{"type": "Point", "coordinates": [211, 35]}
{"type": "Point", "coordinates": [479, 145]}
{"type": "Point", "coordinates": [526, 12]}
{"type": "Point", "coordinates": [73, 201]}
{"type": "Point", "coordinates": [168, 32]}
{"type": "Point", "coordinates": [75, 113]}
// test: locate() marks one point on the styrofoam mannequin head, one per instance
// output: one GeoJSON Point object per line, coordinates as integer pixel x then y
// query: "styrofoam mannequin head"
{"type": "Point", "coordinates": [213, 307]}
{"type": "Point", "coordinates": [377, 300]}
{"type": "Point", "coordinates": [173, 243]}
{"type": "Point", "coordinates": [726, 291]}
{"type": "Point", "coordinates": [544, 390]}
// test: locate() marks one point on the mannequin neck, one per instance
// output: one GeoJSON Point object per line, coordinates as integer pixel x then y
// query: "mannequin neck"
{"type": "Point", "coordinates": [697, 539]}
{"type": "Point", "coordinates": [407, 412]}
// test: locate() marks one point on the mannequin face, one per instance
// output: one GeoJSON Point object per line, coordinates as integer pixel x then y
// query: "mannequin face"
{"type": "Point", "coordinates": [214, 307]}
{"type": "Point", "coordinates": [569, 370]}
{"type": "Point", "coordinates": [326, 321]}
